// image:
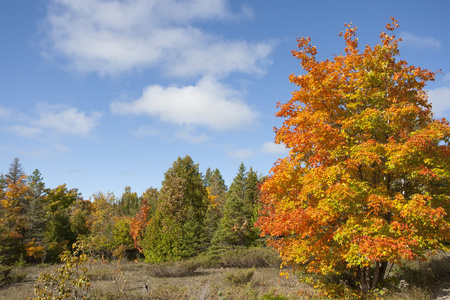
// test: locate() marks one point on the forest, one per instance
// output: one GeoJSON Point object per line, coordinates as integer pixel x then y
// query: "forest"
{"type": "Point", "coordinates": [190, 214]}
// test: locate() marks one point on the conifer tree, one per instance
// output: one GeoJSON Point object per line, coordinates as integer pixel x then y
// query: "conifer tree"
{"type": "Point", "coordinates": [176, 229]}
{"type": "Point", "coordinates": [238, 215]}
{"type": "Point", "coordinates": [15, 171]}
{"type": "Point", "coordinates": [216, 198]}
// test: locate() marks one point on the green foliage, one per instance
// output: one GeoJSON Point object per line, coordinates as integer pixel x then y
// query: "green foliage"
{"type": "Point", "coordinates": [102, 222]}
{"type": "Point", "coordinates": [236, 227]}
{"type": "Point", "coordinates": [4, 274]}
{"type": "Point", "coordinates": [273, 296]}
{"type": "Point", "coordinates": [128, 203]}
{"type": "Point", "coordinates": [60, 198]}
{"type": "Point", "coordinates": [176, 229]}
{"type": "Point", "coordinates": [121, 234]}
{"type": "Point", "coordinates": [68, 281]}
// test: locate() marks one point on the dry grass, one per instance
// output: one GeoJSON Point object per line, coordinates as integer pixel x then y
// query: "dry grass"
{"type": "Point", "coordinates": [127, 281]}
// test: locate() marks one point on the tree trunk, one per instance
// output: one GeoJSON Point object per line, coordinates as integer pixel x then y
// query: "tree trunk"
{"type": "Point", "coordinates": [371, 277]}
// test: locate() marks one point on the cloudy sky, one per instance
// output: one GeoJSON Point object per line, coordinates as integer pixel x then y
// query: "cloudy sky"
{"type": "Point", "coordinates": [103, 94]}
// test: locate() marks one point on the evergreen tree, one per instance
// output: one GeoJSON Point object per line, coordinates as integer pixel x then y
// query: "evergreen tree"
{"type": "Point", "coordinates": [129, 203]}
{"type": "Point", "coordinates": [238, 184]}
{"type": "Point", "coordinates": [15, 171]}
{"type": "Point", "coordinates": [35, 216]}
{"type": "Point", "coordinates": [216, 195]}
{"type": "Point", "coordinates": [236, 227]}
{"type": "Point", "coordinates": [176, 229]}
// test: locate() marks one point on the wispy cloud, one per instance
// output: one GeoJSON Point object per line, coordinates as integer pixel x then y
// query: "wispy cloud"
{"type": "Point", "coordinates": [66, 120]}
{"type": "Point", "coordinates": [420, 42]}
{"type": "Point", "coordinates": [440, 100]}
{"type": "Point", "coordinates": [241, 153]}
{"type": "Point", "coordinates": [272, 148]}
{"type": "Point", "coordinates": [4, 112]}
{"type": "Point", "coordinates": [208, 103]}
{"type": "Point", "coordinates": [54, 119]}
{"type": "Point", "coordinates": [110, 37]}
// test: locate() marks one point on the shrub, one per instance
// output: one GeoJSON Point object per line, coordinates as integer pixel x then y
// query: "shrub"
{"type": "Point", "coordinates": [240, 277]}
{"type": "Point", "coordinates": [164, 292]}
{"type": "Point", "coordinates": [424, 274]}
{"type": "Point", "coordinates": [67, 282]}
{"type": "Point", "coordinates": [4, 274]}
{"type": "Point", "coordinates": [257, 257]}
{"type": "Point", "coordinates": [173, 269]}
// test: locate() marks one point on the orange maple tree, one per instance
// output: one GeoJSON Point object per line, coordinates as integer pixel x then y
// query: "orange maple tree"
{"type": "Point", "coordinates": [366, 181]}
{"type": "Point", "coordinates": [138, 224]}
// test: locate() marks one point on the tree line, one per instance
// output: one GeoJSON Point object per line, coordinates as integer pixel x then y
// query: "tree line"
{"type": "Point", "coordinates": [191, 213]}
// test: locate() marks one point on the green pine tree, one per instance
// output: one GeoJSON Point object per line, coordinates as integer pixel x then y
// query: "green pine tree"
{"type": "Point", "coordinates": [176, 229]}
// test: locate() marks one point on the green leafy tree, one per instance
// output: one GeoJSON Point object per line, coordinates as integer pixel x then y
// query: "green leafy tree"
{"type": "Point", "coordinates": [102, 222]}
{"type": "Point", "coordinates": [128, 203]}
{"type": "Point", "coordinates": [58, 231]}
{"type": "Point", "coordinates": [176, 229]}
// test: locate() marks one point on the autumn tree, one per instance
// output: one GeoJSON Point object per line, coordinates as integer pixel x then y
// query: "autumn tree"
{"type": "Point", "coordinates": [366, 181]}
{"type": "Point", "coordinates": [176, 229]}
{"type": "Point", "coordinates": [140, 221]}
{"type": "Point", "coordinates": [12, 220]}
{"type": "Point", "coordinates": [102, 221]}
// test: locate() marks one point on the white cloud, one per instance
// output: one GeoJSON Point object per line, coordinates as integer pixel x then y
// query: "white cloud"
{"type": "Point", "coordinates": [4, 112]}
{"type": "Point", "coordinates": [146, 131]}
{"type": "Point", "coordinates": [26, 131]}
{"type": "Point", "coordinates": [110, 37]}
{"type": "Point", "coordinates": [440, 99]}
{"type": "Point", "coordinates": [187, 135]}
{"type": "Point", "coordinates": [240, 153]}
{"type": "Point", "coordinates": [208, 103]}
{"type": "Point", "coordinates": [272, 148]}
{"type": "Point", "coordinates": [52, 119]}
{"type": "Point", "coordinates": [420, 42]}
{"type": "Point", "coordinates": [65, 120]}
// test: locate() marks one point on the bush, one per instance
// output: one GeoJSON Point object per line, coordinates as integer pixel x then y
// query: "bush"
{"type": "Point", "coordinates": [164, 292]}
{"type": "Point", "coordinates": [240, 257]}
{"type": "Point", "coordinates": [257, 257]}
{"type": "Point", "coordinates": [4, 274]}
{"type": "Point", "coordinates": [173, 269]}
{"type": "Point", "coordinates": [68, 281]}
{"type": "Point", "coordinates": [240, 277]}
{"type": "Point", "coordinates": [424, 273]}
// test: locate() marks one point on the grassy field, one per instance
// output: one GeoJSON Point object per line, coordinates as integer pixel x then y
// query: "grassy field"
{"type": "Point", "coordinates": [127, 281]}
{"type": "Point", "coordinates": [190, 280]}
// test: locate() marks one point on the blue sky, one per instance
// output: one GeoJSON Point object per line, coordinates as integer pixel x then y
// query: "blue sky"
{"type": "Point", "coordinates": [104, 94]}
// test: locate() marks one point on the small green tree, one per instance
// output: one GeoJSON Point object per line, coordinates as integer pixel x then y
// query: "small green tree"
{"type": "Point", "coordinates": [176, 229]}
{"type": "Point", "coordinates": [68, 281]}
{"type": "Point", "coordinates": [236, 227]}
